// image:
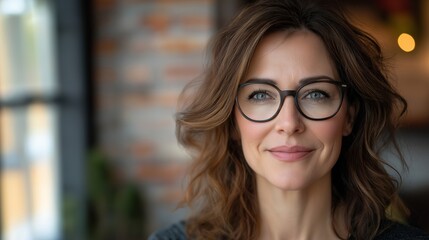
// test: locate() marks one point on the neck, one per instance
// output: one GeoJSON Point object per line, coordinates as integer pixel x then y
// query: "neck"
{"type": "Point", "coordinates": [299, 214]}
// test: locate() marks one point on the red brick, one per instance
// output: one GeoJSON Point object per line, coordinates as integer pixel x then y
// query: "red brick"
{"type": "Point", "coordinates": [106, 46]}
{"type": "Point", "coordinates": [104, 4]}
{"type": "Point", "coordinates": [174, 44]}
{"type": "Point", "coordinates": [159, 99]}
{"type": "Point", "coordinates": [156, 22]}
{"type": "Point", "coordinates": [167, 99]}
{"type": "Point", "coordinates": [181, 73]}
{"type": "Point", "coordinates": [138, 46]}
{"type": "Point", "coordinates": [103, 102]}
{"type": "Point", "coordinates": [103, 20]}
{"type": "Point", "coordinates": [197, 22]}
{"type": "Point", "coordinates": [165, 173]}
{"type": "Point", "coordinates": [104, 75]}
{"type": "Point", "coordinates": [135, 100]}
{"type": "Point", "coordinates": [142, 149]}
{"type": "Point", "coordinates": [137, 74]}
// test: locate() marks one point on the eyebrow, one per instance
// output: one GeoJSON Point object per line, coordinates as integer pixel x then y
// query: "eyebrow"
{"type": "Point", "coordinates": [300, 83]}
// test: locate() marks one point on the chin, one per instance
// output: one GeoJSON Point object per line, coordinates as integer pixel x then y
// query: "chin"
{"type": "Point", "coordinates": [290, 184]}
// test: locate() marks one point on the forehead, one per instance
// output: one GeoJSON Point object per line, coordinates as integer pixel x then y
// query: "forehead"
{"type": "Point", "coordinates": [291, 56]}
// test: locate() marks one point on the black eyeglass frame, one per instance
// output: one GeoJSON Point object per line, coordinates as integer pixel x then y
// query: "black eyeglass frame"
{"type": "Point", "coordinates": [285, 93]}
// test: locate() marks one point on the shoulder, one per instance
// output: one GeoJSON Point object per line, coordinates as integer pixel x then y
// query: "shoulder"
{"type": "Point", "coordinates": [395, 231]}
{"type": "Point", "coordinates": [175, 231]}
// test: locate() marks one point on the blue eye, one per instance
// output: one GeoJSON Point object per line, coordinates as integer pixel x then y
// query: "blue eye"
{"type": "Point", "coordinates": [316, 95]}
{"type": "Point", "coordinates": [262, 96]}
{"type": "Point", "coordinates": [259, 96]}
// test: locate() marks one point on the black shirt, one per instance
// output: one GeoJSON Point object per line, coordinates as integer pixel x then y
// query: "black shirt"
{"type": "Point", "coordinates": [395, 231]}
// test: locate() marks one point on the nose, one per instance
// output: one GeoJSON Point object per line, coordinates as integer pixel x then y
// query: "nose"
{"type": "Point", "coordinates": [288, 120]}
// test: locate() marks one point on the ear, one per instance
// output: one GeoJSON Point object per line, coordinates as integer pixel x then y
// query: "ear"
{"type": "Point", "coordinates": [351, 114]}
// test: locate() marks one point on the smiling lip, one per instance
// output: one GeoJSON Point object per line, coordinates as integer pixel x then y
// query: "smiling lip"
{"type": "Point", "coordinates": [290, 154]}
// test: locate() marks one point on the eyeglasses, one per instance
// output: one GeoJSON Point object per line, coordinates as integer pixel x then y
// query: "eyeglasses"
{"type": "Point", "coordinates": [317, 99]}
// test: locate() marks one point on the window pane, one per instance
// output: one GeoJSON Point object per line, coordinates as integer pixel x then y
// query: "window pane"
{"type": "Point", "coordinates": [29, 160]}
{"type": "Point", "coordinates": [40, 151]}
{"type": "Point", "coordinates": [13, 205]}
{"type": "Point", "coordinates": [29, 167]}
{"type": "Point", "coordinates": [26, 51]}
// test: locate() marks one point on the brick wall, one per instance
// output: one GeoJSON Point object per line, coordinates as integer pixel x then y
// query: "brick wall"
{"type": "Point", "coordinates": [145, 52]}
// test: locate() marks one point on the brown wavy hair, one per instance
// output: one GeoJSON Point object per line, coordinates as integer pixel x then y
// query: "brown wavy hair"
{"type": "Point", "coordinates": [222, 188]}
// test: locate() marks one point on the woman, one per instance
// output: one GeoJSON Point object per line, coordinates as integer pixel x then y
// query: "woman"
{"type": "Point", "coordinates": [285, 130]}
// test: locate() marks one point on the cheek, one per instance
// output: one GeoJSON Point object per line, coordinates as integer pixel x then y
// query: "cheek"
{"type": "Point", "coordinates": [330, 134]}
{"type": "Point", "coordinates": [250, 134]}
{"type": "Point", "coordinates": [244, 126]}
{"type": "Point", "coordinates": [329, 131]}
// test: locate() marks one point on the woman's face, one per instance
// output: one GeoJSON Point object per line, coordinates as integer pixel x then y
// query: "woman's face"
{"type": "Point", "coordinates": [292, 152]}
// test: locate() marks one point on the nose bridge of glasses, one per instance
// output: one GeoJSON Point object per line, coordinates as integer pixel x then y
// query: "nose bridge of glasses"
{"type": "Point", "coordinates": [286, 93]}
{"type": "Point", "coordinates": [290, 112]}
{"type": "Point", "coordinates": [283, 95]}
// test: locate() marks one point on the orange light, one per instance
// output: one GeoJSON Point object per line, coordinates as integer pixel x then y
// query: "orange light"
{"type": "Point", "coordinates": [406, 42]}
